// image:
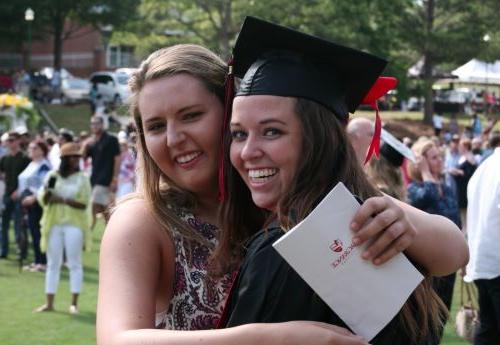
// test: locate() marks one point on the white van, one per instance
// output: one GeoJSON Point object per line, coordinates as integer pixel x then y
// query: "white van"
{"type": "Point", "coordinates": [112, 86]}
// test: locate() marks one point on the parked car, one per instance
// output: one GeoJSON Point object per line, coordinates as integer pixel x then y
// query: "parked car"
{"type": "Point", "coordinates": [112, 86]}
{"type": "Point", "coordinates": [75, 90]}
{"type": "Point", "coordinates": [126, 70]}
{"type": "Point", "coordinates": [49, 72]}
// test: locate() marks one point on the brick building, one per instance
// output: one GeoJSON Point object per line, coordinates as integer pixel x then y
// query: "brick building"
{"type": "Point", "coordinates": [83, 53]}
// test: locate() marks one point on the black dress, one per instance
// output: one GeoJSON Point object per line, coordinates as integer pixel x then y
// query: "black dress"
{"type": "Point", "coordinates": [461, 182]}
{"type": "Point", "coordinates": [268, 290]}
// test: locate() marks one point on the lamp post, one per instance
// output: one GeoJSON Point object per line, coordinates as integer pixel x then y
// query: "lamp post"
{"type": "Point", "coordinates": [29, 16]}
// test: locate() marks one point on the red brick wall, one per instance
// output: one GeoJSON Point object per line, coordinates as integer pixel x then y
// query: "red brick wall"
{"type": "Point", "coordinates": [83, 53]}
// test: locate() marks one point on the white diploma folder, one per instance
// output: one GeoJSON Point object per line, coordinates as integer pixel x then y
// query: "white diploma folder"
{"type": "Point", "coordinates": [365, 296]}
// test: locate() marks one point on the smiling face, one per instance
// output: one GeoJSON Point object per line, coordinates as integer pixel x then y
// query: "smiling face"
{"type": "Point", "coordinates": [181, 120]}
{"type": "Point", "coordinates": [266, 145]}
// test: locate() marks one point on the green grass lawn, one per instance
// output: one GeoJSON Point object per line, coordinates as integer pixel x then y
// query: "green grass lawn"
{"type": "Point", "coordinates": [21, 292]}
{"type": "Point", "coordinates": [75, 117]}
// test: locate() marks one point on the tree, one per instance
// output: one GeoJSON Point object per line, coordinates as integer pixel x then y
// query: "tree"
{"type": "Point", "coordinates": [63, 18]}
{"type": "Point", "coordinates": [443, 31]}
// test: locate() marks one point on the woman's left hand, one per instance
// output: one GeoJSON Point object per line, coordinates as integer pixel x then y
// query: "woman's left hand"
{"type": "Point", "coordinates": [383, 222]}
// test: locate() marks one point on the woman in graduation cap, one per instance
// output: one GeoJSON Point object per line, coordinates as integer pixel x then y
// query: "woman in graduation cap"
{"type": "Point", "coordinates": [289, 149]}
{"type": "Point", "coordinates": [385, 172]}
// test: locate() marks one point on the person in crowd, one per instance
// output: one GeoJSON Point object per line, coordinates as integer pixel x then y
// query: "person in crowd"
{"type": "Point", "coordinates": [476, 126]}
{"type": "Point", "coordinates": [437, 124]}
{"type": "Point", "coordinates": [104, 151]}
{"type": "Point", "coordinates": [171, 226]}
{"type": "Point", "coordinates": [360, 131]}
{"type": "Point", "coordinates": [493, 142]}
{"type": "Point", "coordinates": [453, 126]}
{"type": "Point", "coordinates": [385, 173]}
{"type": "Point", "coordinates": [55, 83]}
{"type": "Point", "coordinates": [29, 182]}
{"type": "Point", "coordinates": [64, 136]}
{"type": "Point", "coordinates": [64, 225]}
{"type": "Point", "coordinates": [451, 162]}
{"type": "Point", "coordinates": [83, 137]}
{"type": "Point", "coordinates": [289, 147]}
{"type": "Point", "coordinates": [11, 165]}
{"type": "Point", "coordinates": [477, 149]}
{"type": "Point", "coordinates": [93, 93]}
{"type": "Point", "coordinates": [126, 177]}
{"type": "Point", "coordinates": [467, 164]}
{"type": "Point", "coordinates": [24, 137]}
{"type": "Point", "coordinates": [483, 233]}
{"type": "Point", "coordinates": [430, 193]}
{"type": "Point", "coordinates": [490, 124]}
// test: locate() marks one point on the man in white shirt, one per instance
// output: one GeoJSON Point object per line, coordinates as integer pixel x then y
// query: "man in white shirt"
{"type": "Point", "coordinates": [483, 213]}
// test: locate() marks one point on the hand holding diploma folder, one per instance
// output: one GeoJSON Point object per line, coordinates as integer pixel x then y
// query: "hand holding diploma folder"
{"type": "Point", "coordinates": [320, 250]}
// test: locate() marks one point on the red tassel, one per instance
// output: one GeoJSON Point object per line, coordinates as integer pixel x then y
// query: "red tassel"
{"type": "Point", "coordinates": [375, 144]}
{"type": "Point", "coordinates": [228, 104]}
{"type": "Point", "coordinates": [381, 86]}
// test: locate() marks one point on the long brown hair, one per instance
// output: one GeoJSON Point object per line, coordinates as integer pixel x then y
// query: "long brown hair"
{"type": "Point", "coordinates": [328, 158]}
{"type": "Point", "coordinates": [159, 191]}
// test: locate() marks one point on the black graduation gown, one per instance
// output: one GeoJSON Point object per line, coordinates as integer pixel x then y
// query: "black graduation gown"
{"type": "Point", "coordinates": [268, 290]}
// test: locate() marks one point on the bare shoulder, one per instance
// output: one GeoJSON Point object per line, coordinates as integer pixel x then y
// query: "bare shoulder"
{"type": "Point", "coordinates": [133, 226]}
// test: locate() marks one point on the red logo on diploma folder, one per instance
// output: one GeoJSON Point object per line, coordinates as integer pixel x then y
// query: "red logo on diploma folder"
{"type": "Point", "coordinates": [343, 253]}
{"type": "Point", "coordinates": [336, 246]}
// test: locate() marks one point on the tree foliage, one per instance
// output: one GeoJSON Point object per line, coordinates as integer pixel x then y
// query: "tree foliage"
{"type": "Point", "coordinates": [62, 19]}
{"type": "Point", "coordinates": [443, 32]}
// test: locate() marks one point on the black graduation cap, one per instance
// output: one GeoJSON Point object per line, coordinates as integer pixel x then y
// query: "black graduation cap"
{"type": "Point", "coordinates": [394, 150]}
{"type": "Point", "coordinates": [275, 60]}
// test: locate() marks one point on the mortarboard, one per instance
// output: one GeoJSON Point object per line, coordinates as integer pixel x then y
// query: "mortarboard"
{"type": "Point", "coordinates": [275, 60]}
{"type": "Point", "coordinates": [394, 150]}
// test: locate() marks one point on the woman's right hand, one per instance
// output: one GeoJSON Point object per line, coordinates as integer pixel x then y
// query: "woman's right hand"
{"type": "Point", "coordinates": [423, 166]}
{"type": "Point", "coordinates": [309, 332]}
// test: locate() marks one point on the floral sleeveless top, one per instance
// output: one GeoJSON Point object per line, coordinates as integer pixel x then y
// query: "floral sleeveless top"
{"type": "Point", "coordinates": [198, 301]}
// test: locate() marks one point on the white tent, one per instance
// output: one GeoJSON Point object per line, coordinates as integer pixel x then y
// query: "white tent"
{"type": "Point", "coordinates": [476, 71]}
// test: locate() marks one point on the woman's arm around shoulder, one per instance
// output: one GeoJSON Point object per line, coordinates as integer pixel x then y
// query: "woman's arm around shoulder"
{"type": "Point", "coordinates": [432, 241]}
{"type": "Point", "coordinates": [439, 245]}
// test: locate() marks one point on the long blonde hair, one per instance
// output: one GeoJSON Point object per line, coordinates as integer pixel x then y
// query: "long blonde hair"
{"type": "Point", "coordinates": [160, 192]}
{"type": "Point", "coordinates": [420, 148]}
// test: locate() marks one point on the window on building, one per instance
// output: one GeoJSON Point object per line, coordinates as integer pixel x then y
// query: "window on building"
{"type": "Point", "coordinates": [119, 56]}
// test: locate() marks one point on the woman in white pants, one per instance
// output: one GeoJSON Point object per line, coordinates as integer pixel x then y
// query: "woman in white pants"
{"type": "Point", "coordinates": [64, 198]}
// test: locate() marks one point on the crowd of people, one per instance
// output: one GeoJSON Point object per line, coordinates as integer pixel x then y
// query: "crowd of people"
{"type": "Point", "coordinates": [445, 179]}
{"type": "Point", "coordinates": [220, 177]}
{"type": "Point", "coordinates": [55, 187]}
